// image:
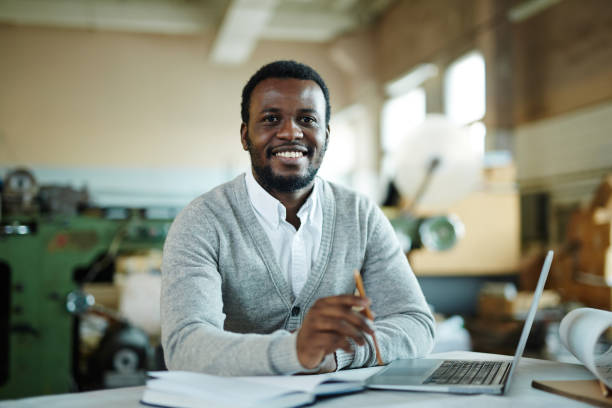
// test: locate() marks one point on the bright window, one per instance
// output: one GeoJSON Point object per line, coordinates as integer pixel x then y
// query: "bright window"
{"type": "Point", "coordinates": [464, 89]}
{"type": "Point", "coordinates": [465, 95]}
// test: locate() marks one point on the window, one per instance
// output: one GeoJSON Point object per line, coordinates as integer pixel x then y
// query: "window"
{"type": "Point", "coordinates": [464, 95]}
{"type": "Point", "coordinates": [464, 89]}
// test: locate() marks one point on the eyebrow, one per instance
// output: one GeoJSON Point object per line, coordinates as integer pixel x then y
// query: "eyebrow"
{"type": "Point", "coordinates": [278, 110]}
{"type": "Point", "coordinates": [309, 110]}
{"type": "Point", "coordinates": [270, 110]}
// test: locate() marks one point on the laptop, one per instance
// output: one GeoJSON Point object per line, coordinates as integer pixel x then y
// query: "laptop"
{"type": "Point", "coordinates": [459, 376]}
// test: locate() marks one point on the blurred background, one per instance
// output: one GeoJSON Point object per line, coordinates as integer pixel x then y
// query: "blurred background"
{"type": "Point", "coordinates": [483, 128]}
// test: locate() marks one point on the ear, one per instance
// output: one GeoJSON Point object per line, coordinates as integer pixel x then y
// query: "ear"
{"type": "Point", "coordinates": [243, 136]}
{"type": "Point", "coordinates": [326, 133]}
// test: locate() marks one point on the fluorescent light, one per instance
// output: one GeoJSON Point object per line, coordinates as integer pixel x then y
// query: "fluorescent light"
{"type": "Point", "coordinates": [411, 80]}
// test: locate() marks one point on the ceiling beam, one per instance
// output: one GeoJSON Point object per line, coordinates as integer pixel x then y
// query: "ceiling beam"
{"type": "Point", "coordinates": [242, 25]}
{"type": "Point", "coordinates": [311, 25]}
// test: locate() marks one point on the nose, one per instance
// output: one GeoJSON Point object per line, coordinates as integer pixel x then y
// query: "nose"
{"type": "Point", "coordinates": [290, 130]}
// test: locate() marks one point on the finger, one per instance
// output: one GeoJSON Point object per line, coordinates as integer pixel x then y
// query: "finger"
{"type": "Point", "coordinates": [367, 312]}
{"type": "Point", "coordinates": [343, 300]}
{"type": "Point", "coordinates": [327, 342]}
{"type": "Point", "coordinates": [333, 318]}
{"type": "Point", "coordinates": [338, 327]}
{"type": "Point", "coordinates": [357, 320]}
{"type": "Point", "coordinates": [333, 342]}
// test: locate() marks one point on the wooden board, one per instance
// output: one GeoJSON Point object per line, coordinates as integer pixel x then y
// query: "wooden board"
{"type": "Point", "coordinates": [581, 390]}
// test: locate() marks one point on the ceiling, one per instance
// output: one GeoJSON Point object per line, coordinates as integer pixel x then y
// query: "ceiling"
{"type": "Point", "coordinates": [238, 24]}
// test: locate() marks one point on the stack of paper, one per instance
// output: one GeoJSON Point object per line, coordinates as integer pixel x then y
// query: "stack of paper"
{"type": "Point", "coordinates": [580, 331]}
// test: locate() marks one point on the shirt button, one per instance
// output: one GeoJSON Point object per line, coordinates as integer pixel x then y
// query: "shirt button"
{"type": "Point", "coordinates": [295, 311]}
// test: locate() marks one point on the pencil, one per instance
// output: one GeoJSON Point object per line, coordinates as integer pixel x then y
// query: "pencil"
{"type": "Point", "coordinates": [368, 313]}
{"type": "Point", "coordinates": [604, 389]}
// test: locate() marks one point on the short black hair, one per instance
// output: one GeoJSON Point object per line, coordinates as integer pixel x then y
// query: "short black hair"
{"type": "Point", "coordinates": [282, 69]}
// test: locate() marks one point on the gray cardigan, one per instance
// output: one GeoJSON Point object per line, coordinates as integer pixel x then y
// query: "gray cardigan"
{"type": "Point", "coordinates": [227, 309]}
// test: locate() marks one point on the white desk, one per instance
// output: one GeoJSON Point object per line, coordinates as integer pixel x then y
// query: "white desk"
{"type": "Point", "coordinates": [521, 394]}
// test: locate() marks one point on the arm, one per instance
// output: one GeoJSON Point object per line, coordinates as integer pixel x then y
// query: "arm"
{"type": "Point", "coordinates": [404, 324]}
{"type": "Point", "coordinates": [192, 313]}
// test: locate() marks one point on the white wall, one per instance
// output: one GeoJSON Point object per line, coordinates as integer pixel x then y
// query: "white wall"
{"type": "Point", "coordinates": [567, 155]}
{"type": "Point", "coordinates": [112, 110]}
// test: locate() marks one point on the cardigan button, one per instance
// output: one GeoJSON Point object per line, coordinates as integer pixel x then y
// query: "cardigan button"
{"type": "Point", "coordinates": [295, 311]}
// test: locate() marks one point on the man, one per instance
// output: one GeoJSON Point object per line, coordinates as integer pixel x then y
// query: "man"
{"type": "Point", "coordinates": [257, 276]}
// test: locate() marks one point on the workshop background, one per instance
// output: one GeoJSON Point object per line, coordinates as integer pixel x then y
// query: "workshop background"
{"type": "Point", "coordinates": [482, 127]}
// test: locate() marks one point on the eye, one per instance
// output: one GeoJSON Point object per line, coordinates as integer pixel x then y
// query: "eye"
{"type": "Point", "coordinates": [309, 120]}
{"type": "Point", "coordinates": [270, 119]}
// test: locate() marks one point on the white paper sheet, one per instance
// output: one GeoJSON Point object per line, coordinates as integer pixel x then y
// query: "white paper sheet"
{"type": "Point", "coordinates": [580, 330]}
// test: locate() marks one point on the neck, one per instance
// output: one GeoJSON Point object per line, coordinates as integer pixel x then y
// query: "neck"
{"type": "Point", "coordinates": [292, 201]}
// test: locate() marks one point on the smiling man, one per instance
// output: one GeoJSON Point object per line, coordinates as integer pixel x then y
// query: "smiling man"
{"type": "Point", "coordinates": [257, 276]}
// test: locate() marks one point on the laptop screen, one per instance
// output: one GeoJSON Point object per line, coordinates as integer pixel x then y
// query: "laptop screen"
{"type": "Point", "coordinates": [530, 315]}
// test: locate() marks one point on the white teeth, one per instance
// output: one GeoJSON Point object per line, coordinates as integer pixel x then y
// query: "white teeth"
{"type": "Point", "coordinates": [290, 154]}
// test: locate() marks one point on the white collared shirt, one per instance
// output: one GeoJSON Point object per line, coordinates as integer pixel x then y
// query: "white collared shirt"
{"type": "Point", "coordinates": [296, 251]}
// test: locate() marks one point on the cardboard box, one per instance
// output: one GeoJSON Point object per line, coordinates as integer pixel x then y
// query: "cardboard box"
{"type": "Point", "coordinates": [501, 308]}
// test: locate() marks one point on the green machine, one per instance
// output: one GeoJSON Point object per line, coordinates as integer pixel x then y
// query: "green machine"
{"type": "Point", "coordinates": [45, 256]}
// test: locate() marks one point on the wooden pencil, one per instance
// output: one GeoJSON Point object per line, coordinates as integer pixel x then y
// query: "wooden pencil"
{"type": "Point", "coordinates": [368, 313]}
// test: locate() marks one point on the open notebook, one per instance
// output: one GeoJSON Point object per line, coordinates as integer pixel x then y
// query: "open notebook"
{"type": "Point", "coordinates": [182, 389]}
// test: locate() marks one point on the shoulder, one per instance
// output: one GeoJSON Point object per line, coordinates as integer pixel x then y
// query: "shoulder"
{"type": "Point", "coordinates": [218, 198]}
{"type": "Point", "coordinates": [347, 199]}
{"type": "Point", "coordinates": [214, 204]}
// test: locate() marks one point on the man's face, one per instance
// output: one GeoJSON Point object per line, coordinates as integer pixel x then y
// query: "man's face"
{"type": "Point", "coordinates": [286, 136]}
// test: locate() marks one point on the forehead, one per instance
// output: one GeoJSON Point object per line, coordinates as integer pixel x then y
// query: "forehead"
{"type": "Point", "coordinates": [291, 93]}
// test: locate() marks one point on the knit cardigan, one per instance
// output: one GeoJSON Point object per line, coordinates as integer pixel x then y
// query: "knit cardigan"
{"type": "Point", "coordinates": [227, 309]}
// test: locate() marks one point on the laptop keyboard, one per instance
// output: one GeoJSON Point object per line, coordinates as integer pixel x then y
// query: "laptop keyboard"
{"type": "Point", "coordinates": [469, 372]}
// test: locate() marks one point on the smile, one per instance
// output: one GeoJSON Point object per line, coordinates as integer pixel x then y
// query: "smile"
{"type": "Point", "coordinates": [290, 154]}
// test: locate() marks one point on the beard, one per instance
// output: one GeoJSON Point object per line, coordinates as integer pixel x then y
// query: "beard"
{"type": "Point", "coordinates": [284, 184]}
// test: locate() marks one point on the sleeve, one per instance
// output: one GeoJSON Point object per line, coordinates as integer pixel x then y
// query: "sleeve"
{"type": "Point", "coordinates": [404, 324]}
{"type": "Point", "coordinates": [192, 314]}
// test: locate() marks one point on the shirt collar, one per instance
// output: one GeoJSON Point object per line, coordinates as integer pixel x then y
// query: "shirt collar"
{"type": "Point", "coordinates": [272, 210]}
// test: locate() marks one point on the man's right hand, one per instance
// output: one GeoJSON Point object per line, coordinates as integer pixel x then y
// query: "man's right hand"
{"type": "Point", "coordinates": [328, 326]}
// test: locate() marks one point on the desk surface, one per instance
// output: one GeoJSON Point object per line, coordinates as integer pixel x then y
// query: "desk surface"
{"type": "Point", "coordinates": [520, 394]}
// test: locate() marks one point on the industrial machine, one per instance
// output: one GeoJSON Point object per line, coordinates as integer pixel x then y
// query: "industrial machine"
{"type": "Point", "coordinates": [437, 164]}
{"type": "Point", "coordinates": [52, 242]}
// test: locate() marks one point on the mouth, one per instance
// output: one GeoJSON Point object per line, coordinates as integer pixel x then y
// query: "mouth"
{"type": "Point", "coordinates": [289, 152]}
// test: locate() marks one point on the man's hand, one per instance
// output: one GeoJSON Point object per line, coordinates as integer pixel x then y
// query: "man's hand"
{"type": "Point", "coordinates": [327, 327]}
